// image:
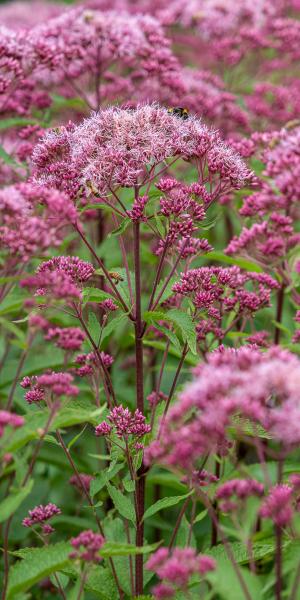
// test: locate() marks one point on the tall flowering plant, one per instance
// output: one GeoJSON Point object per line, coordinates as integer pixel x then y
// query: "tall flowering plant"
{"type": "Point", "coordinates": [149, 295]}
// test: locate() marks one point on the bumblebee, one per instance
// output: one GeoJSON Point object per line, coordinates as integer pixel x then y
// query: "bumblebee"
{"type": "Point", "coordinates": [179, 111]}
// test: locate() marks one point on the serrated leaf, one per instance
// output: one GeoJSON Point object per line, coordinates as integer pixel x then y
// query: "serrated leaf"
{"type": "Point", "coordinates": [37, 564]}
{"type": "Point", "coordinates": [10, 504]}
{"type": "Point", "coordinates": [186, 326]}
{"type": "Point", "coordinates": [101, 582]}
{"type": "Point", "coordinates": [122, 503]}
{"type": "Point", "coordinates": [240, 551]}
{"type": "Point", "coordinates": [164, 503]}
{"type": "Point", "coordinates": [154, 316]}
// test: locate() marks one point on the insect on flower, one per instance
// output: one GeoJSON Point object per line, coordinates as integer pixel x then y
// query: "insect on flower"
{"type": "Point", "coordinates": [179, 111]}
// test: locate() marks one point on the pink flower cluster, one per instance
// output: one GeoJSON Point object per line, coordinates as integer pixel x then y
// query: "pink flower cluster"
{"type": "Point", "coordinates": [23, 231]}
{"type": "Point", "coordinates": [90, 362]}
{"type": "Point", "coordinates": [11, 419]}
{"type": "Point", "coordinates": [231, 493]}
{"type": "Point", "coordinates": [86, 546]}
{"type": "Point", "coordinates": [216, 292]}
{"type": "Point", "coordinates": [268, 241]}
{"type": "Point", "coordinates": [60, 277]}
{"type": "Point", "coordinates": [67, 338]}
{"type": "Point", "coordinates": [224, 386]}
{"type": "Point", "coordinates": [40, 514]}
{"type": "Point", "coordinates": [48, 384]}
{"type": "Point", "coordinates": [278, 505]}
{"type": "Point", "coordinates": [176, 568]}
{"type": "Point", "coordinates": [113, 148]}
{"type": "Point", "coordinates": [108, 305]}
{"type": "Point", "coordinates": [124, 423]}
{"type": "Point", "coordinates": [85, 481]}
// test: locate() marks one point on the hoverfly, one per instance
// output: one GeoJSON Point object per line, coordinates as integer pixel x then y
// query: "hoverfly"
{"type": "Point", "coordinates": [179, 111]}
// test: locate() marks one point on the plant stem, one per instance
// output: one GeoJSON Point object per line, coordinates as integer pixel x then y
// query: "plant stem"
{"type": "Point", "coordinates": [140, 483]}
{"type": "Point", "coordinates": [105, 271]}
{"type": "Point", "coordinates": [171, 392]}
{"type": "Point", "coordinates": [157, 276]}
{"type": "Point", "coordinates": [214, 529]}
{"type": "Point", "coordinates": [279, 312]}
{"type": "Point", "coordinates": [107, 383]}
{"type": "Point", "coordinates": [177, 524]}
{"type": "Point", "coordinates": [156, 302]}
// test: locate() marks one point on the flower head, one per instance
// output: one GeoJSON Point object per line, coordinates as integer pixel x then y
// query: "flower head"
{"type": "Point", "coordinates": [11, 419]}
{"type": "Point", "coordinates": [86, 546]}
{"type": "Point", "coordinates": [40, 514]}
{"type": "Point", "coordinates": [124, 423]}
{"type": "Point", "coordinates": [278, 505]}
{"type": "Point", "coordinates": [175, 568]}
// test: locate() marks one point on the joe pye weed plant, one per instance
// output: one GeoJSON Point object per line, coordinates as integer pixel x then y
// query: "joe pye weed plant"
{"type": "Point", "coordinates": [149, 293]}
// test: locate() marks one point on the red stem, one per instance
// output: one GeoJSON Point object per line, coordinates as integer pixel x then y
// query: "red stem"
{"type": "Point", "coordinates": [279, 312]}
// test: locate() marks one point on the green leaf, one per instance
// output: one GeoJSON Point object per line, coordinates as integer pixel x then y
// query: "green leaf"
{"type": "Point", "coordinates": [152, 317]}
{"type": "Point", "coordinates": [125, 223]}
{"type": "Point", "coordinates": [103, 478]}
{"type": "Point", "coordinates": [110, 328]}
{"type": "Point", "coordinates": [122, 503]}
{"type": "Point", "coordinates": [12, 328]}
{"type": "Point", "coordinates": [16, 122]}
{"type": "Point", "coordinates": [229, 260]}
{"type": "Point", "coordinates": [67, 417]}
{"type": "Point", "coordinates": [186, 326]}
{"type": "Point", "coordinates": [200, 516]}
{"type": "Point", "coordinates": [115, 549]}
{"type": "Point", "coordinates": [240, 551]}
{"type": "Point", "coordinates": [183, 534]}
{"type": "Point", "coordinates": [101, 582]}
{"type": "Point", "coordinates": [75, 438]}
{"type": "Point", "coordinates": [164, 503]}
{"type": "Point", "coordinates": [94, 328]}
{"type": "Point", "coordinates": [227, 585]}
{"type": "Point", "coordinates": [10, 504]}
{"type": "Point", "coordinates": [36, 564]}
